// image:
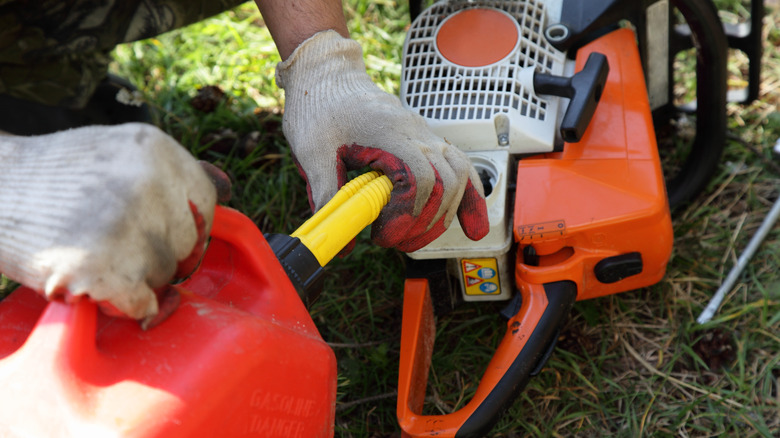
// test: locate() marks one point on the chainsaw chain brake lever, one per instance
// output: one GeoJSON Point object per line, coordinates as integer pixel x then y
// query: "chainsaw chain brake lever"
{"type": "Point", "coordinates": [583, 90]}
{"type": "Point", "coordinates": [535, 319]}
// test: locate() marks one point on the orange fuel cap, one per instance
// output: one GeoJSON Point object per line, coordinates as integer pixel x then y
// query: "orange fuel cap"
{"type": "Point", "coordinates": [477, 37]}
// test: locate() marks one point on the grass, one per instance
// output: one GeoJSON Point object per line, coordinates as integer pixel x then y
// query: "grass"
{"type": "Point", "coordinates": [633, 364]}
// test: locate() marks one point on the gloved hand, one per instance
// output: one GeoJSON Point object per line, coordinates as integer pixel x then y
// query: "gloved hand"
{"type": "Point", "coordinates": [336, 119]}
{"type": "Point", "coordinates": [108, 212]}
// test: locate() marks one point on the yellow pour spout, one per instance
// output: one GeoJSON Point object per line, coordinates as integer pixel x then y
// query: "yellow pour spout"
{"type": "Point", "coordinates": [355, 206]}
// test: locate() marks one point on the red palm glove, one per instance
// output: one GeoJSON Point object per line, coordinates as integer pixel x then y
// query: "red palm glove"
{"type": "Point", "coordinates": [336, 119]}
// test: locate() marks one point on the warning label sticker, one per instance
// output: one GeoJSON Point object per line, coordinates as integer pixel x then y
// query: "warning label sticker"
{"type": "Point", "coordinates": [471, 281]}
{"type": "Point", "coordinates": [480, 276]}
{"type": "Point", "coordinates": [541, 230]}
{"type": "Point", "coordinates": [468, 266]}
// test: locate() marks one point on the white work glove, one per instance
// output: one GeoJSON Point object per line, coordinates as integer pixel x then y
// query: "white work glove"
{"type": "Point", "coordinates": [107, 212]}
{"type": "Point", "coordinates": [336, 119]}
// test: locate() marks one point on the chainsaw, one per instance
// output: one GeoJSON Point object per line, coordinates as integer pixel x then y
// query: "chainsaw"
{"type": "Point", "coordinates": [556, 103]}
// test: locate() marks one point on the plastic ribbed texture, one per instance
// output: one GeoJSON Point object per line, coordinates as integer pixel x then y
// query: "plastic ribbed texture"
{"type": "Point", "coordinates": [377, 194]}
{"type": "Point", "coordinates": [354, 207]}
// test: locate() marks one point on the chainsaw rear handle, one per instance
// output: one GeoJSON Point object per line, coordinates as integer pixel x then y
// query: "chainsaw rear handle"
{"type": "Point", "coordinates": [538, 313]}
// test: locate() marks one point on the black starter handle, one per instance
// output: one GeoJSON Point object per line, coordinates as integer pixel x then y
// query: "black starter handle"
{"type": "Point", "coordinates": [583, 91]}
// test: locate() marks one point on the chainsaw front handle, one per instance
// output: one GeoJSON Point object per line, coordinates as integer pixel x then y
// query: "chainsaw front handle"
{"type": "Point", "coordinates": [529, 340]}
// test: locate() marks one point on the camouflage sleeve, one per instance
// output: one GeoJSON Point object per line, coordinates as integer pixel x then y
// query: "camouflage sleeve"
{"type": "Point", "coordinates": [56, 51]}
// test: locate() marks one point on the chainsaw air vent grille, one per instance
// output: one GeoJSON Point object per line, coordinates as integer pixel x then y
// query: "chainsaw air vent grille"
{"type": "Point", "coordinates": [439, 89]}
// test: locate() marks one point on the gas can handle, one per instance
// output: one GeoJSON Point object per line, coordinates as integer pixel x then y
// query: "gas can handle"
{"type": "Point", "coordinates": [530, 337]}
{"type": "Point", "coordinates": [64, 334]}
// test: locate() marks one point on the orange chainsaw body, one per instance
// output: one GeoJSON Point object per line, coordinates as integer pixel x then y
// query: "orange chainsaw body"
{"type": "Point", "coordinates": [602, 197]}
{"type": "Point", "coordinates": [597, 218]}
{"type": "Point", "coordinates": [240, 357]}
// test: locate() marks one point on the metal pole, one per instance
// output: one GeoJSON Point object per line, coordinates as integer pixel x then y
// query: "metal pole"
{"type": "Point", "coordinates": [755, 242]}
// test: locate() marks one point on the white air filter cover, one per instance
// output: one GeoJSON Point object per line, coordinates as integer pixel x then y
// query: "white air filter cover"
{"type": "Point", "coordinates": [478, 105]}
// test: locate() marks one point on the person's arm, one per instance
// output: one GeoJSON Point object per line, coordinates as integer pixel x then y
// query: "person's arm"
{"type": "Point", "coordinates": [292, 22]}
{"type": "Point", "coordinates": [336, 119]}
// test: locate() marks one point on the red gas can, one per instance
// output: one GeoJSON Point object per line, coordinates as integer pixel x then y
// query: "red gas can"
{"type": "Point", "coordinates": [240, 357]}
